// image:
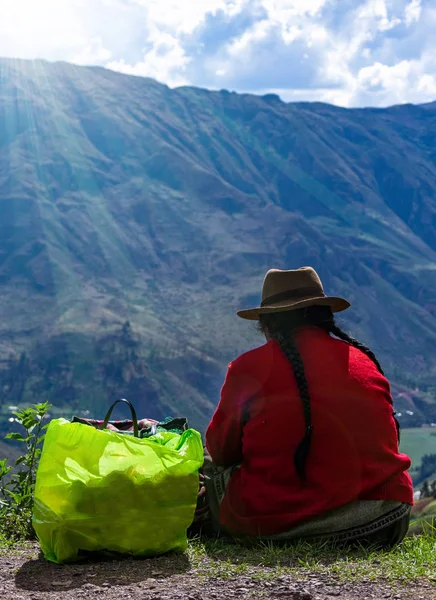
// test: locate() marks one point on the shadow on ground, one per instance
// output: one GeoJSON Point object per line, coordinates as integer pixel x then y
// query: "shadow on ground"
{"type": "Point", "coordinates": [40, 575]}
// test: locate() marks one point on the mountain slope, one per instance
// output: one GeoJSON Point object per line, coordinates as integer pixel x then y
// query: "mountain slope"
{"type": "Point", "coordinates": [124, 201]}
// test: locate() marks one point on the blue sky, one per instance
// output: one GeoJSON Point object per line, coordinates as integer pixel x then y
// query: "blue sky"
{"type": "Point", "coordinates": [347, 52]}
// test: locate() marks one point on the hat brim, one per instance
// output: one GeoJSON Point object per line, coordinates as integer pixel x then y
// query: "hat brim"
{"type": "Point", "coordinates": [336, 304]}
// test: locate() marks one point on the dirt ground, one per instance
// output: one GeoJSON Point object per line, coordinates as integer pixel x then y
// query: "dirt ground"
{"type": "Point", "coordinates": [24, 575]}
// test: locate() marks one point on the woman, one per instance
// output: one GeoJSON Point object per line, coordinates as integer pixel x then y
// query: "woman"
{"type": "Point", "coordinates": [304, 442]}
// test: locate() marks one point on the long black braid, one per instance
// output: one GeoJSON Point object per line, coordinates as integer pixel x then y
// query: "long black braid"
{"type": "Point", "coordinates": [289, 347]}
{"type": "Point", "coordinates": [281, 326]}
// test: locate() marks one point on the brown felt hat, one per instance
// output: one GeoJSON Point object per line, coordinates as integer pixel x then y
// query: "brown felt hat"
{"type": "Point", "coordinates": [290, 290]}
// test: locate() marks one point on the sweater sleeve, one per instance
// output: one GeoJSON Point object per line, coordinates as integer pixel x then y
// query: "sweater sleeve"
{"type": "Point", "coordinates": [224, 434]}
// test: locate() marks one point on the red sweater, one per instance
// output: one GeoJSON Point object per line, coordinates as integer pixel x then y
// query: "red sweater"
{"type": "Point", "coordinates": [259, 423]}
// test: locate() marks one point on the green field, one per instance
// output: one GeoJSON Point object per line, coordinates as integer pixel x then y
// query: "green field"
{"type": "Point", "coordinates": [417, 442]}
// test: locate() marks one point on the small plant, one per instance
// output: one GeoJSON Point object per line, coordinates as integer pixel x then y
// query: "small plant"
{"type": "Point", "coordinates": [17, 485]}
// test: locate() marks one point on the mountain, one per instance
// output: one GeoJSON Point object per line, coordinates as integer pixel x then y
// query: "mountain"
{"type": "Point", "coordinates": [9, 452]}
{"type": "Point", "coordinates": [136, 219]}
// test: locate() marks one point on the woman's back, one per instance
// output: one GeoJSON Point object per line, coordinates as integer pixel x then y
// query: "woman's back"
{"type": "Point", "coordinates": [260, 423]}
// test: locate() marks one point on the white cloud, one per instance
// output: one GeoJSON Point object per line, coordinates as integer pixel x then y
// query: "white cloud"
{"type": "Point", "coordinates": [93, 53]}
{"type": "Point", "coordinates": [426, 88]}
{"type": "Point", "coordinates": [185, 16]}
{"type": "Point", "coordinates": [365, 39]}
{"type": "Point", "coordinates": [166, 61]}
{"type": "Point", "coordinates": [286, 18]}
{"type": "Point", "coordinates": [348, 52]}
{"type": "Point", "coordinates": [294, 41]}
{"type": "Point", "coordinates": [412, 12]}
{"type": "Point", "coordinates": [282, 11]}
{"type": "Point", "coordinates": [251, 37]}
{"type": "Point", "coordinates": [379, 77]}
{"type": "Point", "coordinates": [405, 79]}
{"type": "Point", "coordinates": [29, 28]}
{"type": "Point", "coordinates": [78, 30]}
{"type": "Point", "coordinates": [376, 12]}
{"type": "Point", "coordinates": [166, 23]}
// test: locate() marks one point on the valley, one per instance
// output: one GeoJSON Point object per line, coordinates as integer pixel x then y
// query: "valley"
{"type": "Point", "coordinates": [136, 219]}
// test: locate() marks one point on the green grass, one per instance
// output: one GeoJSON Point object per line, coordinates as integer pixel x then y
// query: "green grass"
{"type": "Point", "coordinates": [8, 547]}
{"type": "Point", "coordinates": [413, 559]}
{"type": "Point", "coordinates": [423, 523]}
{"type": "Point", "coordinates": [417, 442]}
{"type": "Point", "coordinates": [423, 516]}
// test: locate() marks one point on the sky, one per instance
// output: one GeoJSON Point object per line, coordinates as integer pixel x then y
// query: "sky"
{"type": "Point", "coordinates": [345, 52]}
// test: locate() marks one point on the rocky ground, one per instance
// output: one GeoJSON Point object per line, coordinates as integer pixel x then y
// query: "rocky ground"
{"type": "Point", "coordinates": [24, 574]}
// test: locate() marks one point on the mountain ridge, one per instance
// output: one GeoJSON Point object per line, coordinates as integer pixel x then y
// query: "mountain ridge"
{"type": "Point", "coordinates": [272, 96]}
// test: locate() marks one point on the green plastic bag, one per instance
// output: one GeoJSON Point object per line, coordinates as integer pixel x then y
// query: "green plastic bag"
{"type": "Point", "coordinates": [105, 491]}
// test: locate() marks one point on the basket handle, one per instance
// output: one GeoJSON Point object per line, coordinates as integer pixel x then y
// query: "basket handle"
{"type": "Point", "coordinates": [132, 410]}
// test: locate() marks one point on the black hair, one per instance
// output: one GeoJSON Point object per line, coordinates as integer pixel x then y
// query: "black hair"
{"type": "Point", "coordinates": [281, 327]}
